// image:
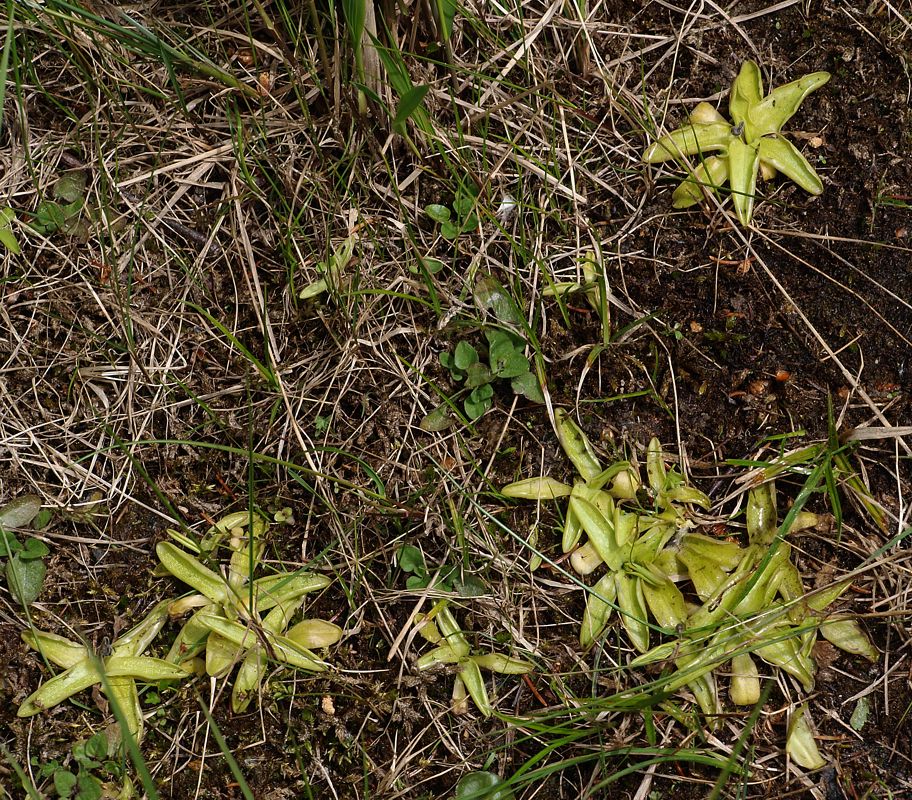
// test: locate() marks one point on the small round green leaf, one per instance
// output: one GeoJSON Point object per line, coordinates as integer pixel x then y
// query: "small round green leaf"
{"type": "Point", "coordinates": [527, 385]}
{"type": "Point", "coordinates": [449, 230]}
{"type": "Point", "coordinates": [410, 559]}
{"type": "Point", "coordinates": [34, 548]}
{"type": "Point", "coordinates": [20, 512]}
{"type": "Point", "coordinates": [479, 401]}
{"type": "Point", "coordinates": [25, 578]}
{"type": "Point", "coordinates": [437, 212]}
{"type": "Point", "coordinates": [482, 786]}
{"type": "Point", "coordinates": [465, 355]}
{"type": "Point", "coordinates": [440, 419]}
{"type": "Point", "coordinates": [64, 783]}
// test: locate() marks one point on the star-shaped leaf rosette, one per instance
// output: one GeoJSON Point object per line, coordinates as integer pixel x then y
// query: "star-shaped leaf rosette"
{"type": "Point", "coordinates": [240, 620]}
{"type": "Point", "coordinates": [625, 535]}
{"type": "Point", "coordinates": [740, 151]}
{"type": "Point", "coordinates": [82, 669]}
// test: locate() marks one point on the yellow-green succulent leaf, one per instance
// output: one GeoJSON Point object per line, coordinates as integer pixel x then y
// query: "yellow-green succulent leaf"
{"type": "Point", "coordinates": [626, 483]}
{"type": "Point", "coordinates": [542, 488]}
{"type": "Point", "coordinates": [743, 167]}
{"type": "Point", "coordinates": [784, 651]}
{"type": "Point", "coordinates": [652, 540]}
{"type": "Point", "coordinates": [656, 473]}
{"type": "Point", "coordinates": [279, 617]}
{"type": "Point", "coordinates": [240, 635]}
{"type": "Point", "coordinates": [608, 474]}
{"type": "Point", "coordinates": [787, 159]}
{"type": "Point", "coordinates": [439, 655]}
{"type": "Point", "coordinates": [189, 569]}
{"type": "Point", "coordinates": [666, 603]}
{"type": "Point", "coordinates": [804, 520]}
{"type": "Point", "coordinates": [221, 655]}
{"type": "Point", "coordinates": [632, 605]}
{"type": "Point", "coordinates": [460, 702]}
{"type": "Point", "coordinates": [450, 631]}
{"type": "Point", "coordinates": [688, 495]}
{"type": "Point", "coordinates": [668, 563]}
{"type": "Point", "coordinates": [315, 634]}
{"type": "Point", "coordinates": [191, 602]}
{"type": "Point", "coordinates": [585, 559]}
{"type": "Point", "coordinates": [497, 662]}
{"type": "Point", "coordinates": [761, 514]}
{"type": "Point", "coordinates": [143, 668]}
{"type": "Point", "coordinates": [427, 628]}
{"type": "Point", "coordinates": [763, 586]}
{"type": "Point", "coordinates": [78, 677]}
{"type": "Point", "coordinates": [471, 676]}
{"type": "Point", "coordinates": [56, 649]}
{"type": "Point", "coordinates": [241, 565]}
{"type": "Point", "coordinates": [243, 638]}
{"type": "Point", "coordinates": [236, 519]}
{"type": "Point", "coordinates": [725, 554]}
{"type": "Point", "coordinates": [705, 575]}
{"type": "Point", "coordinates": [191, 639]}
{"type": "Point", "coordinates": [288, 651]}
{"type": "Point", "coordinates": [693, 664]}
{"type": "Point", "coordinates": [847, 634]}
{"type": "Point", "coordinates": [746, 92]}
{"type": "Point", "coordinates": [800, 744]}
{"type": "Point", "coordinates": [572, 531]}
{"type": "Point", "coordinates": [562, 288]}
{"type": "Point", "coordinates": [821, 598]}
{"type": "Point", "coordinates": [706, 693]}
{"type": "Point", "coordinates": [744, 689]}
{"type": "Point", "coordinates": [711, 174]}
{"type": "Point", "coordinates": [599, 530]}
{"type": "Point", "coordinates": [689, 140]}
{"type": "Point", "coordinates": [576, 446]}
{"type": "Point", "coordinates": [248, 679]}
{"type": "Point", "coordinates": [791, 590]}
{"type": "Point", "coordinates": [598, 610]}
{"type": "Point", "coordinates": [704, 113]}
{"type": "Point", "coordinates": [773, 111]}
{"type": "Point", "coordinates": [625, 528]}
{"type": "Point", "coordinates": [273, 589]}
{"type": "Point", "coordinates": [603, 501]}
{"type": "Point", "coordinates": [122, 691]}
{"type": "Point", "coordinates": [136, 640]}
{"type": "Point", "coordinates": [661, 652]}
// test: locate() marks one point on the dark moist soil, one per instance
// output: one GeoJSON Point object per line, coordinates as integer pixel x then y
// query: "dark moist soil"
{"type": "Point", "coordinates": [743, 366]}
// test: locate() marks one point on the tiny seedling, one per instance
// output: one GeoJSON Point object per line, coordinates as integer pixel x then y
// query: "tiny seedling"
{"type": "Point", "coordinates": [411, 560]}
{"type": "Point", "coordinates": [63, 212]}
{"type": "Point", "coordinates": [439, 627]}
{"type": "Point", "coordinates": [461, 219]}
{"type": "Point", "coordinates": [753, 146]}
{"type": "Point", "coordinates": [80, 780]}
{"type": "Point", "coordinates": [504, 361]}
{"type": "Point", "coordinates": [25, 567]}
{"type": "Point", "coordinates": [332, 270]}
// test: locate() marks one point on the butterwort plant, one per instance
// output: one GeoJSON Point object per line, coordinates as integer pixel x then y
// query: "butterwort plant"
{"type": "Point", "coordinates": [740, 150]}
